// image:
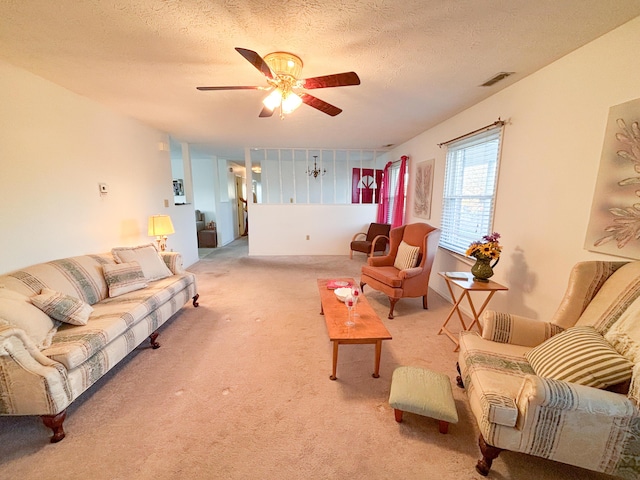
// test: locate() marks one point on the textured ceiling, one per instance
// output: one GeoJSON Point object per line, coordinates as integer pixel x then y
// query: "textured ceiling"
{"type": "Point", "coordinates": [420, 61]}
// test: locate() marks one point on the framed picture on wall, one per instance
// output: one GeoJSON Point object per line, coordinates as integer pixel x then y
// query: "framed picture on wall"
{"type": "Point", "coordinates": [424, 186]}
{"type": "Point", "coordinates": [178, 187]}
{"type": "Point", "coordinates": [615, 214]}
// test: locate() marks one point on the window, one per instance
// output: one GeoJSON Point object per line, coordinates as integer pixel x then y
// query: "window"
{"type": "Point", "coordinates": [470, 189]}
{"type": "Point", "coordinates": [315, 176]}
{"type": "Point", "coordinates": [394, 173]}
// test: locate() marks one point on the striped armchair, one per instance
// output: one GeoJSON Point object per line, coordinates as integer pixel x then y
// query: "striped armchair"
{"type": "Point", "coordinates": [568, 389]}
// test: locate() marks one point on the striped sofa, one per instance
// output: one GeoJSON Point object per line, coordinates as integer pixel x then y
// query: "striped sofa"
{"type": "Point", "coordinates": [568, 389]}
{"type": "Point", "coordinates": [45, 363]}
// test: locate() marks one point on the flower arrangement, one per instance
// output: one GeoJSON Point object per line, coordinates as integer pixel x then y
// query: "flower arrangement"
{"type": "Point", "coordinates": [489, 248]}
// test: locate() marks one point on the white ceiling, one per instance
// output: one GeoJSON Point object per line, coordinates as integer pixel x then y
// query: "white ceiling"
{"type": "Point", "coordinates": [420, 61]}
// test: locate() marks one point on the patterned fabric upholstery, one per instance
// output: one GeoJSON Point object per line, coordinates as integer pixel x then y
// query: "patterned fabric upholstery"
{"type": "Point", "coordinates": [34, 382]}
{"type": "Point", "coordinates": [507, 328]}
{"type": "Point", "coordinates": [576, 424]}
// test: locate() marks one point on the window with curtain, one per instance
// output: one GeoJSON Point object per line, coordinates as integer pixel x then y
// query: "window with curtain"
{"type": "Point", "coordinates": [470, 186]}
{"type": "Point", "coordinates": [391, 195]}
{"type": "Point", "coordinates": [393, 187]}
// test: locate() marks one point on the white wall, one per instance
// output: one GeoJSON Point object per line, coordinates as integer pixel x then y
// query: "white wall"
{"type": "Point", "coordinates": [550, 157]}
{"type": "Point", "coordinates": [55, 147]}
{"type": "Point", "coordinates": [283, 229]}
{"type": "Point", "coordinates": [204, 183]}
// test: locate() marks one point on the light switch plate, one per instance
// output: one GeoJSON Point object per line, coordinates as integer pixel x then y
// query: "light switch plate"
{"type": "Point", "coordinates": [104, 188]}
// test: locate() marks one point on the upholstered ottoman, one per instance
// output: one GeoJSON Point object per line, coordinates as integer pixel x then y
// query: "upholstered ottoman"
{"type": "Point", "coordinates": [423, 392]}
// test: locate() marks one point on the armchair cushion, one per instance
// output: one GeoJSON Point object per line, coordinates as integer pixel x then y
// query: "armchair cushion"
{"type": "Point", "coordinates": [492, 375]}
{"type": "Point", "coordinates": [580, 355]}
{"type": "Point", "coordinates": [407, 256]}
{"type": "Point", "coordinates": [387, 275]}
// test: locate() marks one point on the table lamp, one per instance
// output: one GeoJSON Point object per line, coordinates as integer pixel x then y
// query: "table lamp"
{"type": "Point", "coordinates": [160, 226]}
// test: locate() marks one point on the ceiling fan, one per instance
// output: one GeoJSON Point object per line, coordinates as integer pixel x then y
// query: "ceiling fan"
{"type": "Point", "coordinates": [281, 70]}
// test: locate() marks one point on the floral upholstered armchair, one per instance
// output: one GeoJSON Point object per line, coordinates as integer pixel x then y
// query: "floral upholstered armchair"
{"type": "Point", "coordinates": [567, 389]}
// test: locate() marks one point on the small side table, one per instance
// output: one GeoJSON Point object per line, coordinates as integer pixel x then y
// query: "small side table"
{"type": "Point", "coordinates": [208, 238]}
{"type": "Point", "coordinates": [464, 280]}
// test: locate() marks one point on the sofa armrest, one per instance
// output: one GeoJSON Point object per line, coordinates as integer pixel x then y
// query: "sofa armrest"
{"type": "Point", "coordinates": [571, 397]}
{"type": "Point", "coordinates": [30, 383]}
{"type": "Point", "coordinates": [516, 330]}
{"type": "Point", "coordinates": [173, 260]}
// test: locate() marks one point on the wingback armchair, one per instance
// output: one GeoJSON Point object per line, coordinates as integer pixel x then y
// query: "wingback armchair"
{"type": "Point", "coordinates": [565, 389]}
{"type": "Point", "coordinates": [389, 275]}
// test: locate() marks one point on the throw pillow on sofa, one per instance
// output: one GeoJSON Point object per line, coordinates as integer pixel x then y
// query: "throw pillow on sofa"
{"type": "Point", "coordinates": [147, 256]}
{"type": "Point", "coordinates": [407, 256]}
{"type": "Point", "coordinates": [123, 278]}
{"type": "Point", "coordinates": [18, 311]}
{"type": "Point", "coordinates": [60, 306]}
{"type": "Point", "coordinates": [580, 355]}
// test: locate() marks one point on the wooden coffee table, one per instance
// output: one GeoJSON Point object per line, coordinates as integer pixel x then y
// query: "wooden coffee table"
{"type": "Point", "coordinates": [368, 328]}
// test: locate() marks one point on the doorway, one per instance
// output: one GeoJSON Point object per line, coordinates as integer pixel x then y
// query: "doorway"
{"type": "Point", "coordinates": [241, 198]}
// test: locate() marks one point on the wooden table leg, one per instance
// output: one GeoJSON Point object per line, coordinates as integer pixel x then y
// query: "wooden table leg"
{"type": "Point", "coordinates": [335, 360]}
{"type": "Point", "coordinates": [455, 309]}
{"type": "Point", "coordinates": [476, 316]}
{"type": "Point", "coordinates": [376, 371]}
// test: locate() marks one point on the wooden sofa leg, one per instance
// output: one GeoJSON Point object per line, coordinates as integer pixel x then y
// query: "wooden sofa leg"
{"type": "Point", "coordinates": [152, 340]}
{"type": "Point", "coordinates": [54, 422]}
{"type": "Point", "coordinates": [459, 381]}
{"type": "Point", "coordinates": [393, 302]}
{"type": "Point", "coordinates": [489, 454]}
{"type": "Point", "coordinates": [425, 304]}
{"type": "Point", "coordinates": [195, 300]}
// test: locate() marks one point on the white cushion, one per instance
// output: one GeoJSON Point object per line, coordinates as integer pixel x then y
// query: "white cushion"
{"type": "Point", "coordinates": [407, 256]}
{"type": "Point", "coordinates": [147, 256]}
{"type": "Point", "coordinates": [580, 355]}
{"type": "Point", "coordinates": [124, 278]}
{"type": "Point", "coordinates": [63, 307]}
{"type": "Point", "coordinates": [18, 311]}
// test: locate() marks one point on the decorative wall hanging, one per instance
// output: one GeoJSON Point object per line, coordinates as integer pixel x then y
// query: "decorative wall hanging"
{"type": "Point", "coordinates": [365, 185]}
{"type": "Point", "coordinates": [424, 187]}
{"type": "Point", "coordinates": [614, 225]}
{"type": "Point", "coordinates": [178, 187]}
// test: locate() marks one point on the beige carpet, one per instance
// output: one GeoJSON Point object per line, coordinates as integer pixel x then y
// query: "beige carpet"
{"type": "Point", "coordinates": [240, 390]}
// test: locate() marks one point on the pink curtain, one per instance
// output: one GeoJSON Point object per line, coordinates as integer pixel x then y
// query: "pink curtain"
{"type": "Point", "coordinates": [397, 216]}
{"type": "Point", "coordinates": [383, 205]}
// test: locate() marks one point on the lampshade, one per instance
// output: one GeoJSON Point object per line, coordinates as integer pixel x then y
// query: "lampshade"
{"type": "Point", "coordinates": [291, 102]}
{"type": "Point", "coordinates": [160, 225]}
{"type": "Point", "coordinates": [273, 99]}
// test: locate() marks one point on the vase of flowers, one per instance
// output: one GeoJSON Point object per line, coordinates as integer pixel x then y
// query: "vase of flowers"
{"type": "Point", "coordinates": [485, 251]}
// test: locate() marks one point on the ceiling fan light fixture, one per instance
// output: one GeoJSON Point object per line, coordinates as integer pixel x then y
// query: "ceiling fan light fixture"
{"type": "Point", "coordinates": [284, 63]}
{"type": "Point", "coordinates": [273, 100]}
{"type": "Point", "coordinates": [291, 102]}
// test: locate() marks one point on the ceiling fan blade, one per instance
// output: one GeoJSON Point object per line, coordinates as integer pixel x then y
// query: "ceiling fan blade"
{"type": "Point", "coordinates": [257, 61]}
{"type": "Point", "coordinates": [335, 80]}
{"type": "Point", "coordinates": [231, 88]}
{"type": "Point", "coordinates": [266, 112]}
{"type": "Point", "coordinates": [321, 105]}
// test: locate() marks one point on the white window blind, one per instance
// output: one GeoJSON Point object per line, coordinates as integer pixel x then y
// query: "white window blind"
{"type": "Point", "coordinates": [470, 185]}
{"type": "Point", "coordinates": [393, 186]}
